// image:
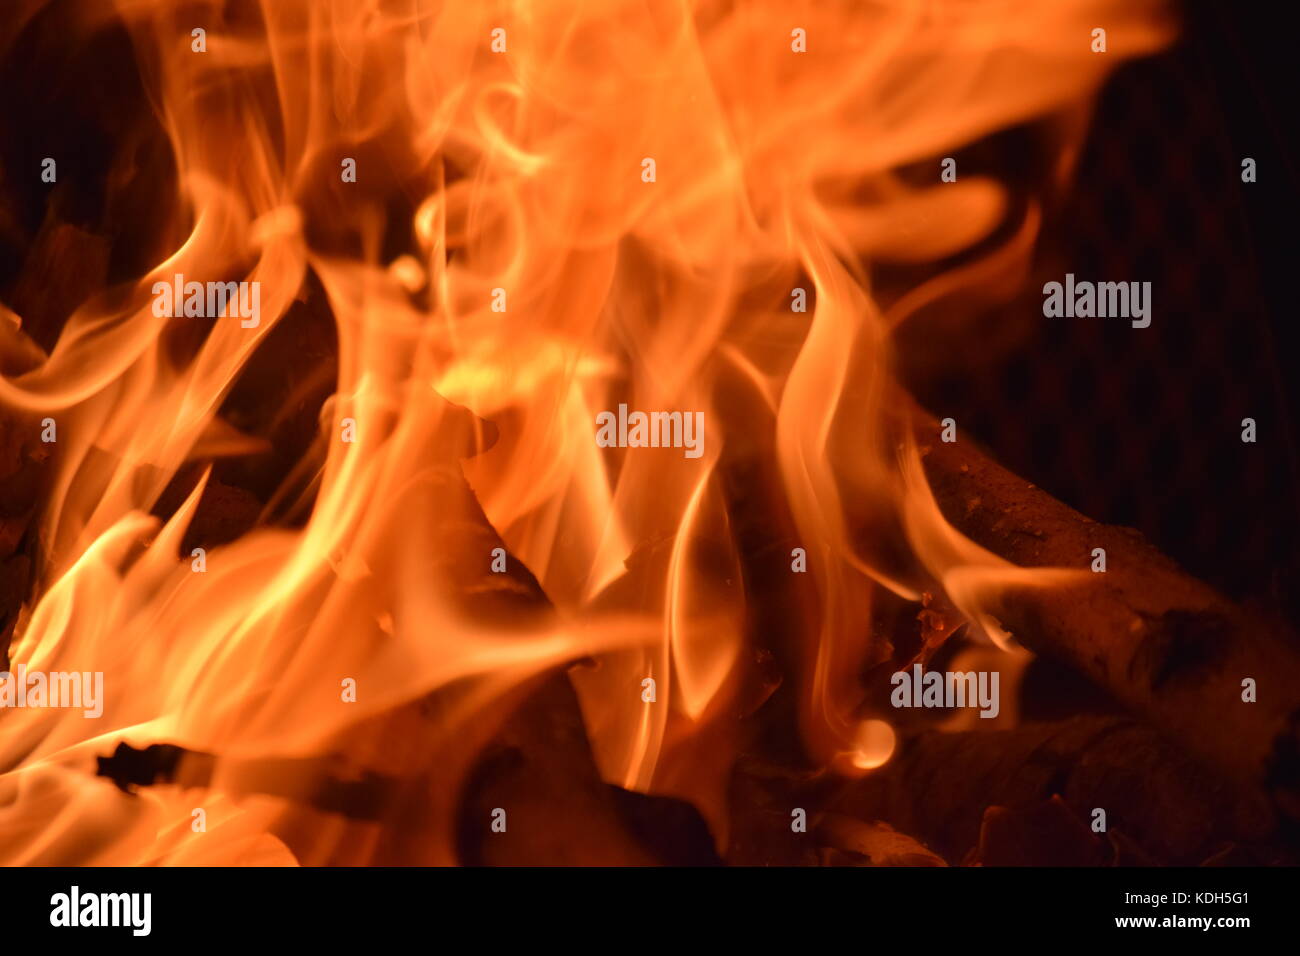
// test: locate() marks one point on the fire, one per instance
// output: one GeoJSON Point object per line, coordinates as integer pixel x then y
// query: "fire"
{"type": "Point", "coordinates": [499, 222]}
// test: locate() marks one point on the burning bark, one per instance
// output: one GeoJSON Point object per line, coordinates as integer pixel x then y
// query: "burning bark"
{"type": "Point", "coordinates": [960, 791]}
{"type": "Point", "coordinates": [1166, 645]}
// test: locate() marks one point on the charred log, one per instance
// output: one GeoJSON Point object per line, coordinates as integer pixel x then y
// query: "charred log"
{"type": "Point", "coordinates": [1167, 646]}
{"type": "Point", "coordinates": [974, 793]}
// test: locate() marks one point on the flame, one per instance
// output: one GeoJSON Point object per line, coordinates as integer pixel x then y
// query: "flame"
{"type": "Point", "coordinates": [501, 257]}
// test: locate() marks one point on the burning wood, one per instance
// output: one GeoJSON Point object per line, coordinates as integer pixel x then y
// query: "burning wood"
{"type": "Point", "coordinates": [331, 243]}
{"type": "Point", "coordinates": [947, 788]}
{"type": "Point", "coordinates": [1222, 680]}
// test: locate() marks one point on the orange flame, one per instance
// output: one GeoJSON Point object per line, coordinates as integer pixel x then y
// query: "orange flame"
{"type": "Point", "coordinates": [505, 248]}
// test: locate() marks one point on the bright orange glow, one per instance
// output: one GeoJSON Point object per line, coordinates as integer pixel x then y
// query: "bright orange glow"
{"type": "Point", "coordinates": [536, 280]}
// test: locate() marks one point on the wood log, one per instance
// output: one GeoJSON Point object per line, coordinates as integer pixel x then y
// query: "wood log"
{"type": "Point", "coordinates": [1167, 646]}
{"type": "Point", "coordinates": [940, 787]}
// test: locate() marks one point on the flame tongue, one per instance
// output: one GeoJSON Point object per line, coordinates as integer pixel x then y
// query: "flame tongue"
{"type": "Point", "coordinates": [441, 215]}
